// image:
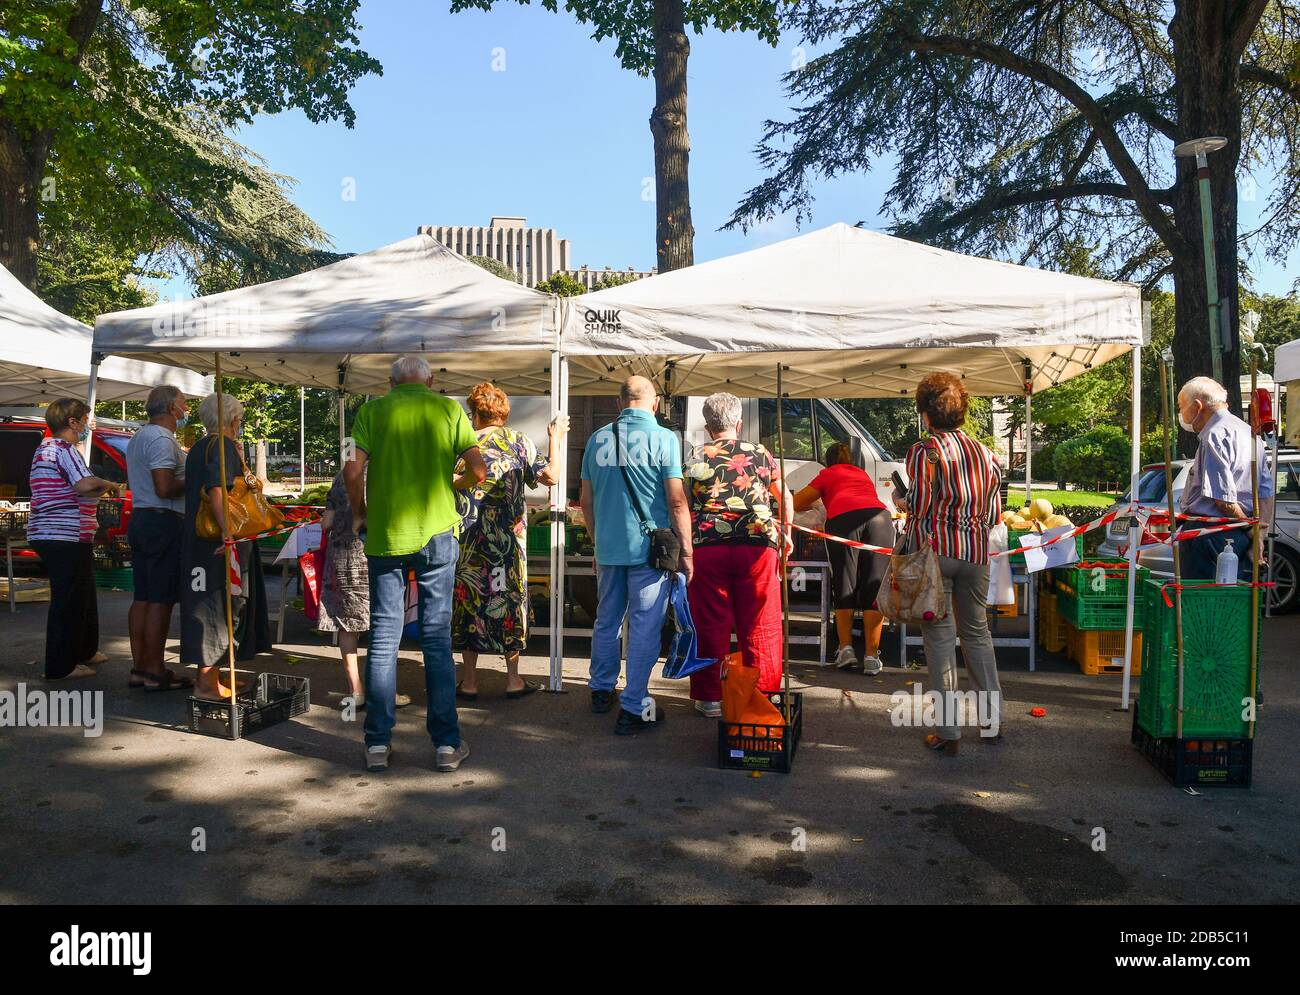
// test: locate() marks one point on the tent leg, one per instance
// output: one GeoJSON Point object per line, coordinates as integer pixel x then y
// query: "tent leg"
{"type": "Point", "coordinates": [785, 574]}
{"type": "Point", "coordinates": [92, 388]}
{"type": "Point", "coordinates": [302, 439]}
{"type": "Point", "coordinates": [1029, 447]}
{"type": "Point", "coordinates": [227, 553]}
{"type": "Point", "coordinates": [559, 504]}
{"type": "Point", "coordinates": [343, 432]}
{"type": "Point", "coordinates": [1134, 526]}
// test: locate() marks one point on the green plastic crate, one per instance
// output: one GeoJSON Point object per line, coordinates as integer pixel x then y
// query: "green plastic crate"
{"type": "Point", "coordinates": [115, 579]}
{"type": "Point", "coordinates": [1104, 607]}
{"type": "Point", "coordinates": [539, 540]}
{"type": "Point", "coordinates": [1216, 661]}
{"type": "Point", "coordinates": [273, 544]}
{"type": "Point", "coordinates": [1088, 615]}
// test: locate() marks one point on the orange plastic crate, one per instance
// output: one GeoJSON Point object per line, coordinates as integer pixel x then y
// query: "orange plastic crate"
{"type": "Point", "coordinates": [1052, 634]}
{"type": "Point", "coordinates": [1101, 651]}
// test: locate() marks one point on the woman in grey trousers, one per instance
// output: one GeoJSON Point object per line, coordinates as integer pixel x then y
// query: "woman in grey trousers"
{"type": "Point", "coordinates": [953, 501]}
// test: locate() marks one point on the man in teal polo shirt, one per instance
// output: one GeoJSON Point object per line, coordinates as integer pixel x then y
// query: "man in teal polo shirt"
{"type": "Point", "coordinates": [400, 481]}
{"type": "Point", "coordinates": [627, 587]}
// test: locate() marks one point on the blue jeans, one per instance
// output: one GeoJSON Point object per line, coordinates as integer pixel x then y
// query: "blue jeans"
{"type": "Point", "coordinates": [435, 573]}
{"type": "Point", "coordinates": [639, 594]}
{"type": "Point", "coordinates": [1200, 556]}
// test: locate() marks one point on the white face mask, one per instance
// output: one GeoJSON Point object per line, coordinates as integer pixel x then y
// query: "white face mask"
{"type": "Point", "coordinates": [1185, 425]}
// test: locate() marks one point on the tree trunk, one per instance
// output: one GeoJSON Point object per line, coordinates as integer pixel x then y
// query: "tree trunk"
{"type": "Point", "coordinates": [19, 192]}
{"type": "Point", "coordinates": [1209, 103]}
{"type": "Point", "coordinates": [674, 233]}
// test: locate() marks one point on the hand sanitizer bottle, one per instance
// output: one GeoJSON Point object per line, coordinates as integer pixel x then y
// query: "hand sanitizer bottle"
{"type": "Point", "coordinates": [1225, 567]}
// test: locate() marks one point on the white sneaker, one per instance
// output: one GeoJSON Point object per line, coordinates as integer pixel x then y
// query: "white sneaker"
{"type": "Point", "coordinates": [845, 657]}
{"type": "Point", "coordinates": [377, 757]}
{"type": "Point", "coordinates": [448, 758]}
{"type": "Point", "coordinates": [709, 709]}
{"type": "Point", "coordinates": [872, 665]}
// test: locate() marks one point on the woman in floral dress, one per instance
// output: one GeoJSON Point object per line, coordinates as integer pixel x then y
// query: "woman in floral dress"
{"type": "Point", "coordinates": [491, 611]}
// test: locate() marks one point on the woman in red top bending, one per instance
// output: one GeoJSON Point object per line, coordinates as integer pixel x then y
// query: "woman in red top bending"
{"type": "Point", "coordinates": [853, 511]}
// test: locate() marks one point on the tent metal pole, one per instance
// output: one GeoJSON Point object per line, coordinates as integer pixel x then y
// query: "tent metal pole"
{"type": "Point", "coordinates": [1029, 433]}
{"type": "Point", "coordinates": [92, 388]}
{"type": "Point", "coordinates": [302, 439]}
{"type": "Point", "coordinates": [785, 575]}
{"type": "Point", "coordinates": [227, 550]}
{"type": "Point", "coordinates": [1254, 549]}
{"type": "Point", "coordinates": [558, 508]}
{"type": "Point", "coordinates": [1273, 463]}
{"type": "Point", "coordinates": [1134, 526]}
{"type": "Point", "coordinates": [1173, 527]}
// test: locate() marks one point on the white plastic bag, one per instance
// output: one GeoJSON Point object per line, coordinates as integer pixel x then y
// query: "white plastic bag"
{"type": "Point", "coordinates": [1001, 590]}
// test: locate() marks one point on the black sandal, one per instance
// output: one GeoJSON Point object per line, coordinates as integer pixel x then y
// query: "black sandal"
{"type": "Point", "coordinates": [465, 695]}
{"type": "Point", "coordinates": [528, 688]}
{"type": "Point", "coordinates": [170, 682]}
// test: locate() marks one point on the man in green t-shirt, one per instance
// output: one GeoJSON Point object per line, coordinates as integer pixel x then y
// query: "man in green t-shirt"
{"type": "Point", "coordinates": [401, 480]}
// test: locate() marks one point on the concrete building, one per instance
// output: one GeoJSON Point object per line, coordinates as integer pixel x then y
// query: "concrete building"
{"type": "Point", "coordinates": [534, 254]}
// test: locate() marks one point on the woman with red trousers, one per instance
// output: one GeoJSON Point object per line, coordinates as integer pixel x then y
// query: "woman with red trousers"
{"type": "Point", "coordinates": [736, 497]}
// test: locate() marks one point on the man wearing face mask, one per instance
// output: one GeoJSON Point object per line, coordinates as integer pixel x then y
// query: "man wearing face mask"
{"type": "Point", "coordinates": [1218, 484]}
{"type": "Point", "coordinates": [155, 466]}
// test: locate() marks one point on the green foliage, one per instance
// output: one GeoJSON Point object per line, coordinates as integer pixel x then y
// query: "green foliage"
{"type": "Point", "coordinates": [631, 25]}
{"type": "Point", "coordinates": [1077, 506]}
{"type": "Point", "coordinates": [562, 285]}
{"type": "Point", "coordinates": [1102, 454]}
{"type": "Point", "coordinates": [123, 110]}
{"type": "Point", "coordinates": [495, 267]}
{"type": "Point", "coordinates": [614, 279]}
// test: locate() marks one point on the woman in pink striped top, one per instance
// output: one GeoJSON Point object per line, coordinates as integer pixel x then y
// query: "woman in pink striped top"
{"type": "Point", "coordinates": [61, 528]}
{"type": "Point", "coordinates": [953, 501]}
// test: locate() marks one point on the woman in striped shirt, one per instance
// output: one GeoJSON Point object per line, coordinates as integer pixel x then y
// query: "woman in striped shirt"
{"type": "Point", "coordinates": [953, 501]}
{"type": "Point", "coordinates": [61, 528]}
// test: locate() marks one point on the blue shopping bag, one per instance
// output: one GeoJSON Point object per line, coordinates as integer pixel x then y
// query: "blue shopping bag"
{"type": "Point", "coordinates": [682, 659]}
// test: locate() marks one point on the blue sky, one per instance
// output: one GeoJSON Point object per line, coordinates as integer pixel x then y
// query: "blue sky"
{"type": "Point", "coordinates": [560, 137]}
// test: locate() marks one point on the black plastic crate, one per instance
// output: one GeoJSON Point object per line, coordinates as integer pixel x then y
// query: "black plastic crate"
{"type": "Point", "coordinates": [763, 747]}
{"type": "Point", "coordinates": [1197, 761]}
{"type": "Point", "coordinates": [277, 699]}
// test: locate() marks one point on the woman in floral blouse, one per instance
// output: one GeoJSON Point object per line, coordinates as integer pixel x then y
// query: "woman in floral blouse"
{"type": "Point", "coordinates": [736, 497]}
{"type": "Point", "coordinates": [491, 610]}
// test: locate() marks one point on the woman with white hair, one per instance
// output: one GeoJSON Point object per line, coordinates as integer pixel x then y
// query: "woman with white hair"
{"type": "Point", "coordinates": [736, 497]}
{"type": "Point", "coordinates": [204, 640]}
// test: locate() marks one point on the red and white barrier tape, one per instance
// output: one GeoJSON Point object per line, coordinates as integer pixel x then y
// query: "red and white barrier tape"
{"type": "Point", "coordinates": [1141, 513]}
{"type": "Point", "coordinates": [274, 532]}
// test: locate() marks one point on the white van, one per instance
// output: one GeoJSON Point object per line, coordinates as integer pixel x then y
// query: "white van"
{"type": "Point", "coordinates": [811, 426]}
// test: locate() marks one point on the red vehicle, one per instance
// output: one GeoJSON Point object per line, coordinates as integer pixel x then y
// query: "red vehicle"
{"type": "Point", "coordinates": [20, 434]}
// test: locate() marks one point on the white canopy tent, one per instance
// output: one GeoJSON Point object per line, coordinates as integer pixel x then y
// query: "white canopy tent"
{"type": "Point", "coordinates": [851, 313]}
{"type": "Point", "coordinates": [45, 355]}
{"type": "Point", "coordinates": [839, 312]}
{"type": "Point", "coordinates": [340, 326]}
{"type": "Point", "coordinates": [1286, 371]}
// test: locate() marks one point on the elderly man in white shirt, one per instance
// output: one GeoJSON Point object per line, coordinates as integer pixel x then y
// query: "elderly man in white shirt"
{"type": "Point", "coordinates": [1218, 484]}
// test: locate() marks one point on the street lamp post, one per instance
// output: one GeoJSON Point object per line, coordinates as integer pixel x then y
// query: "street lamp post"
{"type": "Point", "coordinates": [1200, 148]}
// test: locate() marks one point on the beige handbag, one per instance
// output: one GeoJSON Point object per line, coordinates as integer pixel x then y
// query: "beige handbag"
{"type": "Point", "coordinates": [912, 591]}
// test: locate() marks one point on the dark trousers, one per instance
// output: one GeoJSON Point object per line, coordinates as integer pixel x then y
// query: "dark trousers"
{"type": "Point", "coordinates": [1199, 557]}
{"type": "Point", "coordinates": [72, 626]}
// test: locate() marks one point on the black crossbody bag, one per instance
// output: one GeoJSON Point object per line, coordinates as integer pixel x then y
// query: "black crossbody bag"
{"type": "Point", "coordinates": [665, 544]}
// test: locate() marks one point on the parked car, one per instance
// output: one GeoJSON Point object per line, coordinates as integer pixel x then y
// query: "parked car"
{"type": "Point", "coordinates": [1285, 567]}
{"type": "Point", "coordinates": [20, 434]}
